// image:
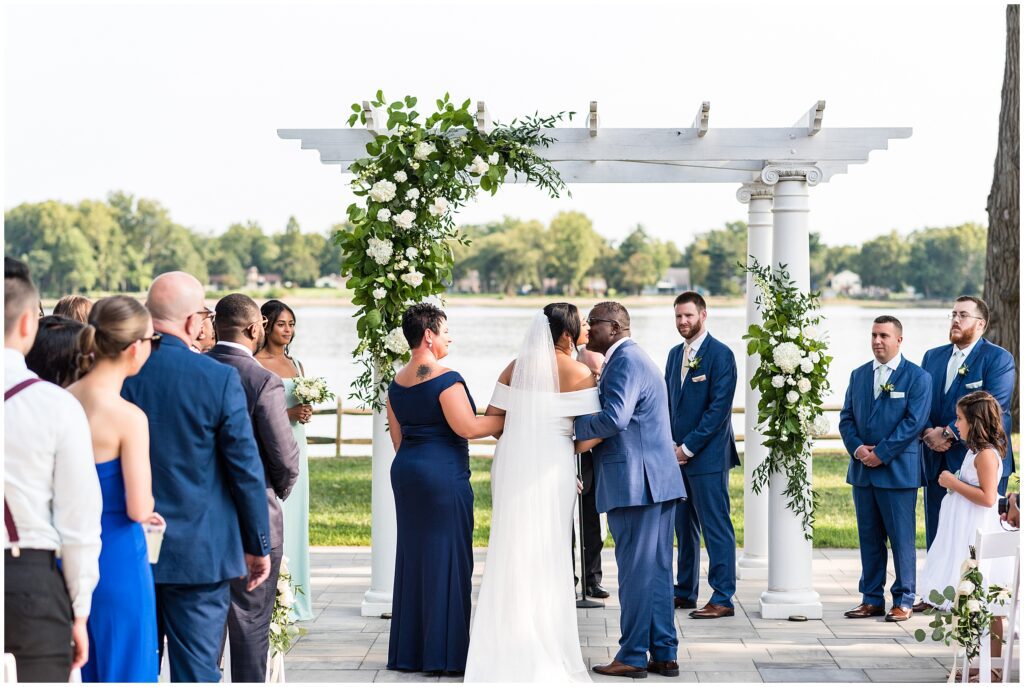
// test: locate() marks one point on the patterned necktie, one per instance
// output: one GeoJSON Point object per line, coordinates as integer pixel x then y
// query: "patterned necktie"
{"type": "Point", "coordinates": [684, 369]}
{"type": "Point", "coordinates": [951, 369]}
{"type": "Point", "coordinates": [881, 376]}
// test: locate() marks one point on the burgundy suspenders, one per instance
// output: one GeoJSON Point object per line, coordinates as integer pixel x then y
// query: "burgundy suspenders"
{"type": "Point", "coordinates": [12, 529]}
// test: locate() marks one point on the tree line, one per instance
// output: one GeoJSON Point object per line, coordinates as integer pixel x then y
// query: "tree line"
{"type": "Point", "coordinates": [120, 244]}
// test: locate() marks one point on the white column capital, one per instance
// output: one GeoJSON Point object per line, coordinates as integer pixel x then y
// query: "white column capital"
{"type": "Point", "coordinates": [753, 190]}
{"type": "Point", "coordinates": [773, 172]}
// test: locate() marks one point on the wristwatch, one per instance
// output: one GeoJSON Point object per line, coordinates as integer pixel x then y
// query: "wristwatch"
{"type": "Point", "coordinates": [946, 434]}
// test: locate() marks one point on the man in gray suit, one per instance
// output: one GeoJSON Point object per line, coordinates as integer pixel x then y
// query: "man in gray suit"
{"type": "Point", "coordinates": [239, 326]}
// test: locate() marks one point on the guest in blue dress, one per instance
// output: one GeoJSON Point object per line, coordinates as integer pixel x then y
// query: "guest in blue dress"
{"type": "Point", "coordinates": [431, 417]}
{"type": "Point", "coordinates": [122, 624]}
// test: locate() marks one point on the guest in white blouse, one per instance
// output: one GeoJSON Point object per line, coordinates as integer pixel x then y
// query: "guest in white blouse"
{"type": "Point", "coordinates": [52, 504]}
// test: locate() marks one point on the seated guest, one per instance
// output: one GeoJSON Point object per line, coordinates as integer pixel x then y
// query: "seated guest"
{"type": "Point", "coordinates": [74, 308]}
{"type": "Point", "coordinates": [886, 408]}
{"type": "Point", "coordinates": [239, 334]}
{"type": "Point", "coordinates": [52, 503]}
{"type": "Point", "coordinates": [209, 483]}
{"type": "Point", "coordinates": [122, 627]}
{"type": "Point", "coordinates": [55, 355]}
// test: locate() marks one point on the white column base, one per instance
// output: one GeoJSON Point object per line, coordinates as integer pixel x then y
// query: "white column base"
{"type": "Point", "coordinates": [375, 604]}
{"type": "Point", "coordinates": [784, 604]}
{"type": "Point", "coordinates": [750, 567]}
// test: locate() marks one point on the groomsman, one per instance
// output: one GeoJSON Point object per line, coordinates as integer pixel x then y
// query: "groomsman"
{"type": "Point", "coordinates": [701, 378]}
{"type": "Point", "coordinates": [968, 363]}
{"type": "Point", "coordinates": [886, 407]}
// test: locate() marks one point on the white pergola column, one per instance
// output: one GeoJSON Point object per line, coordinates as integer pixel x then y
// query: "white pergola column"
{"type": "Point", "coordinates": [383, 523]}
{"type": "Point", "coordinates": [790, 584]}
{"type": "Point", "coordinates": [753, 563]}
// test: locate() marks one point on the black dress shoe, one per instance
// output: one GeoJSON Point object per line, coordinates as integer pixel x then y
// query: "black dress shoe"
{"type": "Point", "coordinates": [597, 592]}
{"type": "Point", "coordinates": [665, 668]}
{"type": "Point", "coordinates": [683, 603]}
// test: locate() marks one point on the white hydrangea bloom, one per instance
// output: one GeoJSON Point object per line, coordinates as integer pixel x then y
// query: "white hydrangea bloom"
{"type": "Point", "coordinates": [405, 219]}
{"type": "Point", "coordinates": [423, 150]}
{"type": "Point", "coordinates": [411, 252]}
{"type": "Point", "coordinates": [793, 332]}
{"type": "Point", "coordinates": [412, 194]}
{"type": "Point", "coordinates": [820, 426]}
{"type": "Point", "coordinates": [395, 341]}
{"type": "Point", "coordinates": [400, 176]}
{"type": "Point", "coordinates": [778, 381]}
{"type": "Point", "coordinates": [383, 215]}
{"type": "Point", "coordinates": [379, 293]}
{"type": "Point", "coordinates": [380, 250]}
{"type": "Point", "coordinates": [383, 191]}
{"type": "Point", "coordinates": [787, 356]}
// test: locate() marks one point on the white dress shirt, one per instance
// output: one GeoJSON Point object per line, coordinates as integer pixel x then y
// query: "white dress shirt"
{"type": "Point", "coordinates": [886, 374]}
{"type": "Point", "coordinates": [956, 361]}
{"type": "Point", "coordinates": [694, 347]}
{"type": "Point", "coordinates": [611, 349]}
{"type": "Point", "coordinates": [50, 479]}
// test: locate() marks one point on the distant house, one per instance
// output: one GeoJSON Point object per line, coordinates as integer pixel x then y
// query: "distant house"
{"type": "Point", "coordinates": [595, 285]}
{"type": "Point", "coordinates": [331, 281]}
{"type": "Point", "coordinates": [846, 283]}
{"type": "Point", "coordinates": [468, 284]}
{"type": "Point", "coordinates": [222, 282]}
{"type": "Point", "coordinates": [674, 281]}
{"type": "Point", "coordinates": [255, 280]}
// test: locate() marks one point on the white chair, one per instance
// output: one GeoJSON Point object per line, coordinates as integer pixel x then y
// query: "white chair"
{"type": "Point", "coordinates": [10, 669]}
{"type": "Point", "coordinates": [989, 546]}
{"type": "Point", "coordinates": [1013, 627]}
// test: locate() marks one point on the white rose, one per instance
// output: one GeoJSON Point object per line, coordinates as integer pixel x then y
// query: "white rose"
{"type": "Point", "coordinates": [383, 191]}
{"type": "Point", "coordinates": [411, 252]}
{"type": "Point", "coordinates": [790, 381]}
{"type": "Point", "coordinates": [405, 219]}
{"type": "Point", "coordinates": [288, 598]}
{"type": "Point", "coordinates": [810, 332]}
{"type": "Point", "coordinates": [968, 564]}
{"type": "Point", "coordinates": [383, 215]}
{"type": "Point", "coordinates": [787, 356]}
{"type": "Point", "coordinates": [792, 332]}
{"type": "Point", "coordinates": [395, 341]}
{"type": "Point", "coordinates": [380, 250]}
{"type": "Point", "coordinates": [412, 278]}
{"type": "Point", "coordinates": [392, 277]}
{"type": "Point", "coordinates": [815, 357]}
{"type": "Point", "coordinates": [493, 158]}
{"type": "Point", "coordinates": [438, 206]}
{"type": "Point", "coordinates": [274, 628]}
{"type": "Point", "coordinates": [792, 397]}
{"type": "Point", "coordinates": [966, 587]}
{"type": "Point", "coordinates": [803, 386]}
{"type": "Point", "coordinates": [478, 166]}
{"type": "Point", "coordinates": [820, 426]}
{"type": "Point", "coordinates": [973, 605]}
{"type": "Point", "coordinates": [414, 165]}
{"type": "Point", "coordinates": [423, 150]}
{"type": "Point", "coordinates": [778, 381]}
{"type": "Point", "coordinates": [806, 366]}
{"type": "Point", "coordinates": [412, 194]}
{"type": "Point", "coordinates": [379, 293]}
{"type": "Point", "coordinates": [401, 176]}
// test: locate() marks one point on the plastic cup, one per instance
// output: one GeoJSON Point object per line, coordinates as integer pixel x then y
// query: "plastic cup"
{"type": "Point", "coordinates": [154, 538]}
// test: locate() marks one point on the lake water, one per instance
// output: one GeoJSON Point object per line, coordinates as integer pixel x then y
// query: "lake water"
{"type": "Point", "coordinates": [486, 338]}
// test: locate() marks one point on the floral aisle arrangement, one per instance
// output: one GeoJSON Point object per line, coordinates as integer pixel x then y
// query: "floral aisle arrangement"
{"type": "Point", "coordinates": [283, 630]}
{"type": "Point", "coordinates": [963, 615]}
{"type": "Point", "coordinates": [792, 377]}
{"type": "Point", "coordinates": [312, 390]}
{"type": "Point", "coordinates": [416, 176]}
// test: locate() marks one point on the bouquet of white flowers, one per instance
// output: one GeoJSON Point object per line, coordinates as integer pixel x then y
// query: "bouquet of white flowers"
{"type": "Point", "coordinates": [283, 630]}
{"type": "Point", "coordinates": [312, 390]}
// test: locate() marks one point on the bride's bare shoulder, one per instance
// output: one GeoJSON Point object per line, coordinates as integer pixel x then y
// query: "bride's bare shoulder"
{"type": "Point", "coordinates": [574, 375]}
{"type": "Point", "coordinates": [506, 375]}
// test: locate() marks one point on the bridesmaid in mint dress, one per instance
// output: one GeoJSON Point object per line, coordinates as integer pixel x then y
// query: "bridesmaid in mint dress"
{"type": "Point", "coordinates": [275, 356]}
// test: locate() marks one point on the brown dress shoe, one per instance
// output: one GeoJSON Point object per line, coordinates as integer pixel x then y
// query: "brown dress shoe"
{"type": "Point", "coordinates": [920, 607]}
{"type": "Point", "coordinates": [666, 668]}
{"type": "Point", "coordinates": [898, 614]}
{"type": "Point", "coordinates": [711, 610]}
{"type": "Point", "coordinates": [616, 669]}
{"type": "Point", "coordinates": [865, 611]}
{"type": "Point", "coordinates": [683, 603]}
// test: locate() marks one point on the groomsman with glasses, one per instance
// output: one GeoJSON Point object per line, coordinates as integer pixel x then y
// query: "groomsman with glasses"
{"type": "Point", "coordinates": [968, 363]}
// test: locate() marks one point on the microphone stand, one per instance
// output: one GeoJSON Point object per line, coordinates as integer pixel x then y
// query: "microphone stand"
{"type": "Point", "coordinates": [583, 601]}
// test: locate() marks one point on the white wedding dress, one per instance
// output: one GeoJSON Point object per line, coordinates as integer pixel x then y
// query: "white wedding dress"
{"type": "Point", "coordinates": [525, 624]}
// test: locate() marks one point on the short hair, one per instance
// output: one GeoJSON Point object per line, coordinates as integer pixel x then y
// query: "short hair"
{"type": "Point", "coordinates": [615, 311]}
{"type": "Point", "coordinates": [19, 292]}
{"type": "Point", "coordinates": [271, 310]}
{"type": "Point", "coordinates": [985, 422]}
{"type": "Point", "coordinates": [563, 318]}
{"type": "Point", "coordinates": [235, 312]}
{"type": "Point", "coordinates": [56, 354]}
{"type": "Point", "coordinates": [418, 319]}
{"type": "Point", "coordinates": [982, 305]}
{"type": "Point", "coordinates": [74, 307]}
{"type": "Point", "coordinates": [691, 297]}
{"type": "Point", "coordinates": [889, 319]}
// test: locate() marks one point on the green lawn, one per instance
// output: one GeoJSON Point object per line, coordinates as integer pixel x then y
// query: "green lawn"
{"type": "Point", "coordinates": [339, 510]}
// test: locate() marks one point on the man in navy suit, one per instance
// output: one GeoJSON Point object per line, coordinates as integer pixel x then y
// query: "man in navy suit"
{"type": "Point", "coordinates": [208, 482]}
{"type": "Point", "coordinates": [968, 363]}
{"type": "Point", "coordinates": [701, 379]}
{"type": "Point", "coordinates": [886, 408]}
{"type": "Point", "coordinates": [637, 484]}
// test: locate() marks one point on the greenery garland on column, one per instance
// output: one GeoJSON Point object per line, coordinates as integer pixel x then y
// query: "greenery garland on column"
{"type": "Point", "coordinates": [792, 376]}
{"type": "Point", "coordinates": [417, 175]}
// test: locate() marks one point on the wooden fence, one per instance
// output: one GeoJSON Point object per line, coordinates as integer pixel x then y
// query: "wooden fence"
{"type": "Point", "coordinates": [340, 411]}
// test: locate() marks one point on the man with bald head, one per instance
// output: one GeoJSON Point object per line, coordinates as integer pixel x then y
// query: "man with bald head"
{"type": "Point", "coordinates": [208, 481]}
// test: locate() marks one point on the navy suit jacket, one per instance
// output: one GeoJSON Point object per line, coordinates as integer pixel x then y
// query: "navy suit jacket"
{"type": "Point", "coordinates": [208, 480]}
{"type": "Point", "coordinates": [891, 423]}
{"type": "Point", "coordinates": [636, 463]}
{"type": "Point", "coordinates": [701, 409]}
{"type": "Point", "coordinates": [989, 368]}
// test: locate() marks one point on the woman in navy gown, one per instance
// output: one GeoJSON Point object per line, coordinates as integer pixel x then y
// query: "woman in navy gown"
{"type": "Point", "coordinates": [431, 416]}
{"type": "Point", "coordinates": [122, 624]}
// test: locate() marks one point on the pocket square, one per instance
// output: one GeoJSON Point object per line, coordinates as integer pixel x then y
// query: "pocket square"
{"type": "Point", "coordinates": [975, 385]}
{"type": "Point", "coordinates": [699, 379]}
{"type": "Point", "coordinates": [897, 394]}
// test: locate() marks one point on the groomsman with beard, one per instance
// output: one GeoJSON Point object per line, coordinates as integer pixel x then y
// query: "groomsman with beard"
{"type": "Point", "coordinates": [968, 363]}
{"type": "Point", "coordinates": [886, 407]}
{"type": "Point", "coordinates": [701, 378]}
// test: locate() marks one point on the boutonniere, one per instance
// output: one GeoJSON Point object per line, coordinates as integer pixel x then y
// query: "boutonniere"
{"type": "Point", "coordinates": [693, 363]}
{"type": "Point", "coordinates": [886, 388]}
{"type": "Point", "coordinates": [963, 370]}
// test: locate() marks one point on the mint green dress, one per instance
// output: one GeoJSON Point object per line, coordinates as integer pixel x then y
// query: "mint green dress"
{"type": "Point", "coordinates": [296, 517]}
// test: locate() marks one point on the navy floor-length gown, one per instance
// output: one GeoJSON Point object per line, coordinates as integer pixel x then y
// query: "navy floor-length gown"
{"type": "Point", "coordinates": [434, 505]}
{"type": "Point", "coordinates": [122, 622]}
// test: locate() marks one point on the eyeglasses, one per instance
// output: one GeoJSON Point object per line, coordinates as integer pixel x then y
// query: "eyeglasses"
{"type": "Point", "coordinates": [592, 320]}
{"type": "Point", "coordinates": [153, 340]}
{"type": "Point", "coordinates": [42, 313]}
{"type": "Point", "coordinates": [962, 316]}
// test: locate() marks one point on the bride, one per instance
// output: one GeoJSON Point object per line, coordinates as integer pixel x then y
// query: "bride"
{"type": "Point", "coordinates": [525, 624]}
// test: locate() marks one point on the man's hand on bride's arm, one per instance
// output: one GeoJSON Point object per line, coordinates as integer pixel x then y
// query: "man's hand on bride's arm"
{"type": "Point", "coordinates": [584, 446]}
{"type": "Point", "coordinates": [492, 411]}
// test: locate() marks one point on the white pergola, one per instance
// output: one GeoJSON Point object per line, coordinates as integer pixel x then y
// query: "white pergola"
{"type": "Point", "coordinates": [774, 168]}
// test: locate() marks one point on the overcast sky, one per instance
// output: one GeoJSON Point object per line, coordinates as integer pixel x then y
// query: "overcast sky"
{"type": "Point", "coordinates": [181, 103]}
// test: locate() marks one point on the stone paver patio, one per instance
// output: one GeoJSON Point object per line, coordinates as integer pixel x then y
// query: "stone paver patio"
{"type": "Point", "coordinates": [341, 646]}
